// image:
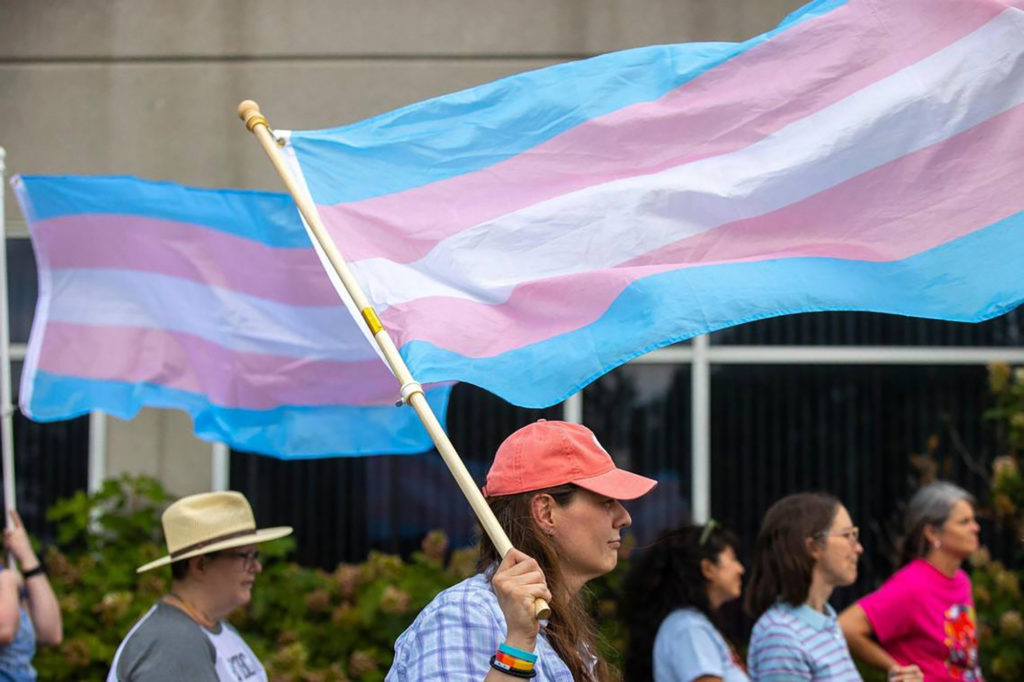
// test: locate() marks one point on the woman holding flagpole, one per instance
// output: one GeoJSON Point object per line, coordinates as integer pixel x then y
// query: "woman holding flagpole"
{"type": "Point", "coordinates": [556, 493]}
{"type": "Point", "coordinates": [29, 612]}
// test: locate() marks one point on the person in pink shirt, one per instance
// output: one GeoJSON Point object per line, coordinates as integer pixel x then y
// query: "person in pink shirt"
{"type": "Point", "coordinates": [924, 613]}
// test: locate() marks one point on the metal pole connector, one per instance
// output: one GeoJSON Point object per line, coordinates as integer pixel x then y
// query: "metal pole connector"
{"type": "Point", "coordinates": [409, 389]}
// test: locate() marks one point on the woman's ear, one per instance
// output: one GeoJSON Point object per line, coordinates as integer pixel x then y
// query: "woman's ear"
{"type": "Point", "coordinates": [814, 548]}
{"type": "Point", "coordinates": [931, 535]}
{"type": "Point", "coordinates": [542, 507]}
{"type": "Point", "coordinates": [197, 565]}
{"type": "Point", "coordinates": [707, 569]}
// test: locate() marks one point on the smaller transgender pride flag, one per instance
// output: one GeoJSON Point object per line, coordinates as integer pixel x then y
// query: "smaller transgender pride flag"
{"type": "Point", "coordinates": [530, 234]}
{"type": "Point", "coordinates": [209, 301]}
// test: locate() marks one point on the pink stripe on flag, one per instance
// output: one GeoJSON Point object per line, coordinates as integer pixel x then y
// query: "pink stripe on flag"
{"type": "Point", "coordinates": [963, 183]}
{"type": "Point", "coordinates": [908, 206]}
{"type": "Point", "coordinates": [256, 381]}
{"type": "Point", "coordinates": [287, 275]}
{"type": "Point", "coordinates": [728, 108]}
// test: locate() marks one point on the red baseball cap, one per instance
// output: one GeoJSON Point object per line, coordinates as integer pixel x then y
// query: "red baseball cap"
{"type": "Point", "coordinates": [547, 454]}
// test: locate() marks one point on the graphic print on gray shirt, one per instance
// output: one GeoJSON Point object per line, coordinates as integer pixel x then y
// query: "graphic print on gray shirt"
{"type": "Point", "coordinates": [166, 645]}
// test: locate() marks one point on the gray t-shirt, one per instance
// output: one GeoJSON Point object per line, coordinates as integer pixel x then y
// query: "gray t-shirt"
{"type": "Point", "coordinates": [166, 645]}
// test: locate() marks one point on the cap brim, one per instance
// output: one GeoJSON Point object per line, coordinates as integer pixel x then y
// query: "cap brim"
{"type": "Point", "coordinates": [261, 535]}
{"type": "Point", "coordinates": [618, 484]}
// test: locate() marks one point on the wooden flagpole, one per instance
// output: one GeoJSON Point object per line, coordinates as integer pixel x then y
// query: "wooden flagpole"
{"type": "Point", "coordinates": [411, 391]}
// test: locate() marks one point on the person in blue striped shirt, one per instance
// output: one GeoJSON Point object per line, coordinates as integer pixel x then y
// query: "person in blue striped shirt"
{"type": "Point", "coordinates": [807, 546]}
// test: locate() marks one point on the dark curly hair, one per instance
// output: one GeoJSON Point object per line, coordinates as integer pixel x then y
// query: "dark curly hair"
{"type": "Point", "coordinates": [666, 577]}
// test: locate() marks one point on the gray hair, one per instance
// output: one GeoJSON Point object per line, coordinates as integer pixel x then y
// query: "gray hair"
{"type": "Point", "coordinates": [930, 506]}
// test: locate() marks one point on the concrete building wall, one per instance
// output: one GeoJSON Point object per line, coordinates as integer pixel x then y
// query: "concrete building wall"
{"type": "Point", "coordinates": [149, 88]}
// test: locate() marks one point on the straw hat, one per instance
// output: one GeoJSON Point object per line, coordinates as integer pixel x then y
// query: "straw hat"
{"type": "Point", "coordinates": [208, 522]}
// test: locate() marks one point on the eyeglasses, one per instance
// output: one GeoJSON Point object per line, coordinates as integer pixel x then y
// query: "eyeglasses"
{"type": "Point", "coordinates": [852, 535]}
{"type": "Point", "coordinates": [249, 559]}
{"type": "Point", "coordinates": [706, 533]}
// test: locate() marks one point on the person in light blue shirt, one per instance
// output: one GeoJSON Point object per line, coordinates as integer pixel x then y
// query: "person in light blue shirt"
{"type": "Point", "coordinates": [807, 546]}
{"type": "Point", "coordinates": [670, 596]}
{"type": "Point", "coordinates": [29, 612]}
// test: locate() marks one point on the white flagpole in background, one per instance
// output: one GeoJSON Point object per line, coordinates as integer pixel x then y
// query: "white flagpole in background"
{"type": "Point", "coordinates": [220, 467]}
{"type": "Point", "coordinates": [6, 407]}
{"type": "Point", "coordinates": [97, 450]}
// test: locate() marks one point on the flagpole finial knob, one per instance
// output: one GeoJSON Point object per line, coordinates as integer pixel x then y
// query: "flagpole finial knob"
{"type": "Point", "coordinates": [249, 112]}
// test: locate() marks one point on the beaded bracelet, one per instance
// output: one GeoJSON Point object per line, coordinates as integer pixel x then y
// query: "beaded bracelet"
{"type": "Point", "coordinates": [501, 665]}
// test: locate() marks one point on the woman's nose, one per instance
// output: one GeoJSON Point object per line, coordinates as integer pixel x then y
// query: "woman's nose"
{"type": "Point", "coordinates": [623, 519]}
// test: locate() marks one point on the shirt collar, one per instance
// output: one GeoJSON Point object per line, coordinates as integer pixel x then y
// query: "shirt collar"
{"type": "Point", "coordinates": [815, 619]}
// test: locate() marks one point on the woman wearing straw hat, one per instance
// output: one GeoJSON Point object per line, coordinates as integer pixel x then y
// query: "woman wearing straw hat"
{"type": "Point", "coordinates": [556, 493]}
{"type": "Point", "coordinates": [211, 544]}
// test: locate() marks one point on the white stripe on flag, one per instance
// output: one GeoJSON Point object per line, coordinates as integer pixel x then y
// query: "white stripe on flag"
{"type": "Point", "coordinates": [228, 318]}
{"type": "Point", "coordinates": [602, 226]}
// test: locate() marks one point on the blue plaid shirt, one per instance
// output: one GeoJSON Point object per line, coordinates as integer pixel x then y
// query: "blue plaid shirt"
{"type": "Point", "coordinates": [455, 636]}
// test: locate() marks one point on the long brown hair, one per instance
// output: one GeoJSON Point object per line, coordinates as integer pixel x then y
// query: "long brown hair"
{"type": "Point", "coordinates": [782, 567]}
{"type": "Point", "coordinates": [571, 631]}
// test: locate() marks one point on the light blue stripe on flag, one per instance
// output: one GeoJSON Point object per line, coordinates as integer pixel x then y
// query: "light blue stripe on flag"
{"type": "Point", "coordinates": [286, 432]}
{"type": "Point", "coordinates": [270, 218]}
{"type": "Point", "coordinates": [473, 129]}
{"type": "Point", "coordinates": [941, 283]}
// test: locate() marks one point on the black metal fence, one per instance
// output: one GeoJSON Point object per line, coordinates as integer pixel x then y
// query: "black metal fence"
{"type": "Point", "coordinates": [848, 430]}
{"type": "Point", "coordinates": [344, 507]}
{"type": "Point", "coordinates": [51, 461]}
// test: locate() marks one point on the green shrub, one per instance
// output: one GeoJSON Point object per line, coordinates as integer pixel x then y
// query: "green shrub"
{"type": "Point", "coordinates": [997, 589]}
{"type": "Point", "coordinates": [305, 624]}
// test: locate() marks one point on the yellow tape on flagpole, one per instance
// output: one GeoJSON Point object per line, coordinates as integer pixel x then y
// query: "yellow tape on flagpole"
{"type": "Point", "coordinates": [372, 321]}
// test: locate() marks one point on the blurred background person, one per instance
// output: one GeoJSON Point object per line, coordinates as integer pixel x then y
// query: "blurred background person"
{"type": "Point", "coordinates": [29, 612]}
{"type": "Point", "coordinates": [669, 598]}
{"type": "Point", "coordinates": [806, 547]}
{"type": "Point", "coordinates": [211, 544]}
{"type": "Point", "coordinates": [924, 613]}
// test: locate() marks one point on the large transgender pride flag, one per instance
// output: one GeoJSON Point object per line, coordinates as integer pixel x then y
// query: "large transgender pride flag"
{"type": "Point", "coordinates": [209, 301]}
{"type": "Point", "coordinates": [530, 234]}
